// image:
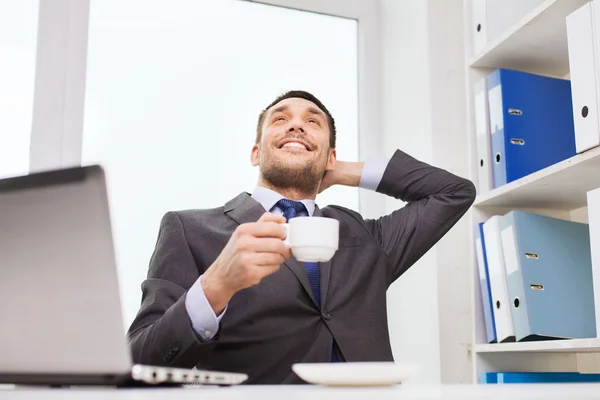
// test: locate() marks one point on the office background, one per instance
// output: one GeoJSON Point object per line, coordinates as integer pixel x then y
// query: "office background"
{"type": "Point", "coordinates": [166, 96]}
{"type": "Point", "coordinates": [391, 73]}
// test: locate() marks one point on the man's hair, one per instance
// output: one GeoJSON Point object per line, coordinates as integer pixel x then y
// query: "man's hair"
{"type": "Point", "coordinates": [302, 95]}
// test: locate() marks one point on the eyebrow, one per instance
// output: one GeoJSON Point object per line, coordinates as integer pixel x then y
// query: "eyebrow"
{"type": "Point", "coordinates": [316, 111]}
{"type": "Point", "coordinates": [279, 109]}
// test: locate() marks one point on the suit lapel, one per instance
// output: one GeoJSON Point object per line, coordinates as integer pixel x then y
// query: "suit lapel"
{"type": "Point", "coordinates": [297, 267]}
{"type": "Point", "coordinates": [243, 209]}
{"type": "Point", "coordinates": [324, 268]}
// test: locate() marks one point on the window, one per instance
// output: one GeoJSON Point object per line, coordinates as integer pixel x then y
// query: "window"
{"type": "Point", "coordinates": [173, 92]}
{"type": "Point", "coordinates": [18, 37]}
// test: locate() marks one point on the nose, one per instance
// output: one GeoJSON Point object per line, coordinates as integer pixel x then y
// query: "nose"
{"type": "Point", "coordinates": [296, 126]}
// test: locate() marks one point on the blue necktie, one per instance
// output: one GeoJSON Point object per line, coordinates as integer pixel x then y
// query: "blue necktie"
{"type": "Point", "coordinates": [291, 209]}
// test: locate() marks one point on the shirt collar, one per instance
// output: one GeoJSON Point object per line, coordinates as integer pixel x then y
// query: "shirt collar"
{"type": "Point", "coordinates": [268, 198]}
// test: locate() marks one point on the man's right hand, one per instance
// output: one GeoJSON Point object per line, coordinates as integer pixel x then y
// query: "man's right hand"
{"type": "Point", "coordinates": [254, 251]}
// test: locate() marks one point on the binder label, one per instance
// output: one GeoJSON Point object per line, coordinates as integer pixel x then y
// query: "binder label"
{"type": "Point", "coordinates": [480, 259]}
{"type": "Point", "coordinates": [511, 260]}
{"type": "Point", "coordinates": [495, 104]}
{"type": "Point", "coordinates": [480, 112]}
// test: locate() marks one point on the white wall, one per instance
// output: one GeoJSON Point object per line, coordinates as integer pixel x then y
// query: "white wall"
{"type": "Point", "coordinates": [412, 299]}
{"type": "Point", "coordinates": [423, 97]}
{"type": "Point", "coordinates": [449, 132]}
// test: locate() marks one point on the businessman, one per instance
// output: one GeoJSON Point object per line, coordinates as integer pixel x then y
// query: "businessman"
{"type": "Point", "coordinates": [223, 291]}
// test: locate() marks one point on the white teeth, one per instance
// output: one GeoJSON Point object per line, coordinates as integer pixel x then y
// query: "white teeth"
{"type": "Point", "coordinates": [295, 144]}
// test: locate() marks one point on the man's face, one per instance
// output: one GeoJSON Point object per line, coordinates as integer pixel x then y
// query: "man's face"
{"type": "Point", "coordinates": [294, 149]}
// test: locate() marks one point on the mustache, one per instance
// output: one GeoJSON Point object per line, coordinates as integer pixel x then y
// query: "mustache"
{"type": "Point", "coordinates": [300, 138]}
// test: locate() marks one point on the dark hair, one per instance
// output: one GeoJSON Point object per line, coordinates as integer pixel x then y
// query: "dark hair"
{"type": "Point", "coordinates": [302, 95]}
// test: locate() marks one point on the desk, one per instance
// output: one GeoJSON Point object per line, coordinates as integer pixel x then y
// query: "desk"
{"type": "Point", "coordinates": [302, 392]}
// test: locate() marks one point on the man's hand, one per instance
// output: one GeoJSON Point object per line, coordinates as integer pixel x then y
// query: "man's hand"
{"type": "Point", "coordinates": [344, 173]}
{"type": "Point", "coordinates": [254, 251]}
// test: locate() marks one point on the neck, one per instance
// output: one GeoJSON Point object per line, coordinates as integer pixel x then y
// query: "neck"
{"type": "Point", "coordinates": [289, 193]}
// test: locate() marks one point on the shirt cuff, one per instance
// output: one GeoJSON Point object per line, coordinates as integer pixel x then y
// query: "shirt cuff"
{"type": "Point", "coordinates": [204, 320]}
{"type": "Point", "coordinates": [372, 172]}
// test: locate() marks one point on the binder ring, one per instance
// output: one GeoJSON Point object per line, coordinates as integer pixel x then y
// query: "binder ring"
{"type": "Point", "coordinates": [514, 111]}
{"type": "Point", "coordinates": [584, 111]}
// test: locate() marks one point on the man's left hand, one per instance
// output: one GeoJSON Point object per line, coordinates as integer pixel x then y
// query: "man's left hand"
{"type": "Point", "coordinates": [345, 173]}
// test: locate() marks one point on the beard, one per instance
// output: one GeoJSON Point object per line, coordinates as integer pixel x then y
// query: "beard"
{"type": "Point", "coordinates": [281, 175]}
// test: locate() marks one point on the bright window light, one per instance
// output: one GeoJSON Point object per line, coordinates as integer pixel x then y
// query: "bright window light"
{"type": "Point", "coordinates": [174, 89]}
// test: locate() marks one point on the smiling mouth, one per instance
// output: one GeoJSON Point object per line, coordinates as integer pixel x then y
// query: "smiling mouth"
{"type": "Point", "coordinates": [294, 146]}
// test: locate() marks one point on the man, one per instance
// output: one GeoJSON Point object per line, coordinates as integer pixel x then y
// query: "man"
{"type": "Point", "coordinates": [223, 291]}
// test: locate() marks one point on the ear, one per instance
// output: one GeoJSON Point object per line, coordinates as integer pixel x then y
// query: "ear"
{"type": "Point", "coordinates": [331, 159]}
{"type": "Point", "coordinates": [254, 155]}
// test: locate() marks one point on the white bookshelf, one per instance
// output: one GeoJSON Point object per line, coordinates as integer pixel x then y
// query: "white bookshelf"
{"type": "Point", "coordinates": [549, 346]}
{"type": "Point", "coordinates": [537, 43]}
{"type": "Point", "coordinates": [562, 186]}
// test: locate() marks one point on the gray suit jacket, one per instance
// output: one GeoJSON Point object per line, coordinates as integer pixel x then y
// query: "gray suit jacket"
{"type": "Point", "coordinates": [276, 323]}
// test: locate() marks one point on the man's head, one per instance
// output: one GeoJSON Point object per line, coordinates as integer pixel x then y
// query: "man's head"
{"type": "Point", "coordinates": [295, 142]}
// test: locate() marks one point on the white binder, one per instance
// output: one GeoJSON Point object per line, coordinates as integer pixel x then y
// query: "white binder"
{"type": "Point", "coordinates": [505, 331]}
{"type": "Point", "coordinates": [478, 26]}
{"type": "Point", "coordinates": [482, 137]}
{"type": "Point", "coordinates": [593, 203]}
{"type": "Point", "coordinates": [583, 37]}
{"type": "Point", "coordinates": [492, 19]}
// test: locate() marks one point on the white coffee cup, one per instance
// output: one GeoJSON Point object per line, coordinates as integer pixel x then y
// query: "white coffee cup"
{"type": "Point", "coordinates": [312, 239]}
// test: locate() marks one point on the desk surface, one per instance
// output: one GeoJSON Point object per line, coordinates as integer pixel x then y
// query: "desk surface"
{"type": "Point", "coordinates": [512, 392]}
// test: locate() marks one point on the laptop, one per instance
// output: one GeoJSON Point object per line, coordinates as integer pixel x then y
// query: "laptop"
{"type": "Point", "coordinates": [60, 309]}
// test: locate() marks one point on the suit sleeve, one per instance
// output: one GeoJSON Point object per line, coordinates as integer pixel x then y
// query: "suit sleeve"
{"type": "Point", "coordinates": [162, 332]}
{"type": "Point", "coordinates": [435, 201]}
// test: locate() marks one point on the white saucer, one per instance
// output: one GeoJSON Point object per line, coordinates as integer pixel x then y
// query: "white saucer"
{"type": "Point", "coordinates": [354, 373]}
